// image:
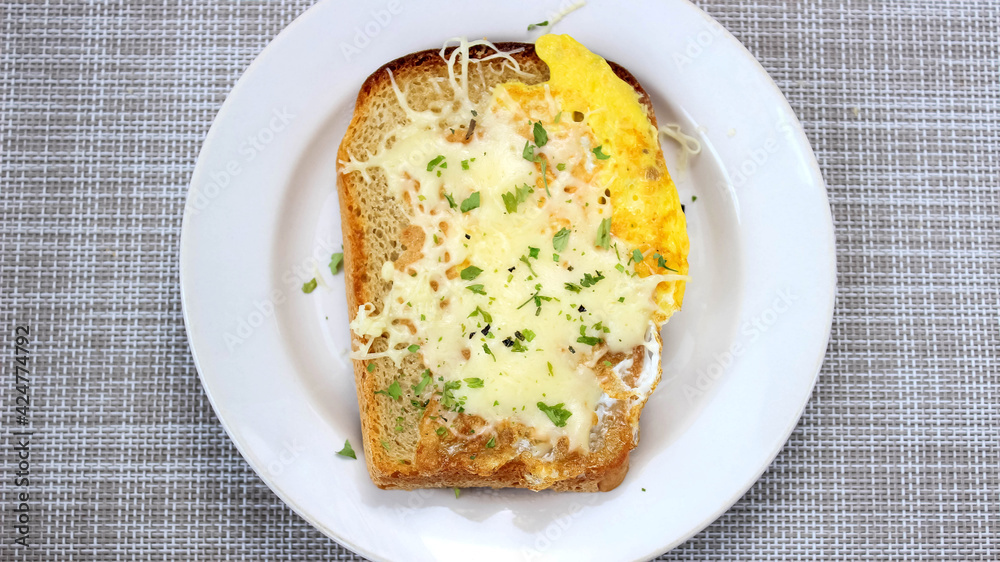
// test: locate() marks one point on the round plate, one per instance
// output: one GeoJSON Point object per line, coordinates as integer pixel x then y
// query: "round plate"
{"type": "Point", "coordinates": [739, 360]}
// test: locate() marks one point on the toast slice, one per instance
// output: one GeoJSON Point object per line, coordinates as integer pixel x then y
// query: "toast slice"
{"type": "Point", "coordinates": [418, 430]}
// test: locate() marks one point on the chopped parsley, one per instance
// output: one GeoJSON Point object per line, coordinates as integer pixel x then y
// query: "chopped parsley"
{"type": "Point", "coordinates": [486, 348]}
{"type": "Point", "coordinates": [561, 240]}
{"type": "Point", "coordinates": [457, 492]}
{"type": "Point", "coordinates": [480, 312]}
{"type": "Point", "coordinates": [309, 286]}
{"type": "Point", "coordinates": [439, 159]}
{"type": "Point", "coordinates": [607, 363]}
{"type": "Point", "coordinates": [541, 137]}
{"type": "Point", "coordinates": [347, 451]}
{"type": "Point", "coordinates": [451, 201]}
{"type": "Point", "coordinates": [335, 261]}
{"type": "Point", "coordinates": [590, 280]}
{"type": "Point", "coordinates": [528, 153]}
{"type": "Point", "coordinates": [600, 153]}
{"type": "Point", "coordinates": [393, 391]}
{"type": "Point", "coordinates": [591, 341]}
{"type": "Point", "coordinates": [604, 234]}
{"type": "Point", "coordinates": [556, 413]}
{"type": "Point", "coordinates": [551, 374]}
{"type": "Point", "coordinates": [441, 430]}
{"type": "Point", "coordinates": [694, 198]}
{"type": "Point", "coordinates": [538, 298]}
{"type": "Point", "coordinates": [662, 263]}
{"type": "Point", "coordinates": [573, 287]}
{"type": "Point", "coordinates": [472, 202]}
{"type": "Point", "coordinates": [528, 263]}
{"type": "Point", "coordinates": [424, 381]}
{"type": "Point", "coordinates": [636, 256]}
{"type": "Point", "coordinates": [448, 399]}
{"type": "Point", "coordinates": [465, 164]}
{"type": "Point", "coordinates": [477, 288]}
{"type": "Point", "coordinates": [512, 198]}
{"type": "Point", "coordinates": [560, 166]}
{"type": "Point", "coordinates": [545, 178]}
{"type": "Point", "coordinates": [533, 252]}
{"type": "Point", "coordinates": [371, 367]}
{"type": "Point", "coordinates": [474, 382]}
{"type": "Point", "coordinates": [491, 443]}
{"type": "Point", "coordinates": [470, 273]}
{"type": "Point", "coordinates": [539, 24]}
{"type": "Point", "coordinates": [528, 335]}
{"type": "Point", "coordinates": [413, 348]}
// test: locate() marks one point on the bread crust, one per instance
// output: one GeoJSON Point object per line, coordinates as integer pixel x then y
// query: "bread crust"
{"type": "Point", "coordinates": [446, 462]}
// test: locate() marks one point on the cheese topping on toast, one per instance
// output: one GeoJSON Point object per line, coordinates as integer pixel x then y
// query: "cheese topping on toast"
{"type": "Point", "coordinates": [545, 238]}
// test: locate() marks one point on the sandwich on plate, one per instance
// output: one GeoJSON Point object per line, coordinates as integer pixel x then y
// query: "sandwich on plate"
{"type": "Point", "coordinates": [513, 244]}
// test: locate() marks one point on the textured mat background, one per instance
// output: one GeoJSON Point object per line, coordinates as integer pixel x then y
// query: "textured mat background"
{"type": "Point", "coordinates": [104, 106]}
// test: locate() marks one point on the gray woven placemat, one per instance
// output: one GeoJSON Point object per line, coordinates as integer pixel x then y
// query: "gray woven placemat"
{"type": "Point", "coordinates": [103, 107]}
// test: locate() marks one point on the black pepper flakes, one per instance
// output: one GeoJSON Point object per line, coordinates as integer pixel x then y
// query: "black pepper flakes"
{"type": "Point", "coordinates": [581, 309]}
{"type": "Point", "coordinates": [508, 342]}
{"type": "Point", "coordinates": [486, 330]}
{"type": "Point", "coordinates": [519, 335]}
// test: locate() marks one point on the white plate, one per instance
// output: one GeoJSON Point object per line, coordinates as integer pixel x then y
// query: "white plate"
{"type": "Point", "coordinates": [740, 359]}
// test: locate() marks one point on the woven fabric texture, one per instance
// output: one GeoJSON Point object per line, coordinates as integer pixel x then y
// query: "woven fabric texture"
{"type": "Point", "coordinates": [103, 108]}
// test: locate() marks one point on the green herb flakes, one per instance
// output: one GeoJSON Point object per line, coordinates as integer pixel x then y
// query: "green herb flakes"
{"type": "Point", "coordinates": [477, 288]}
{"type": "Point", "coordinates": [539, 24]}
{"type": "Point", "coordinates": [604, 234]}
{"type": "Point", "coordinates": [474, 382]}
{"type": "Point", "coordinates": [556, 413]}
{"type": "Point", "coordinates": [472, 202]}
{"type": "Point", "coordinates": [599, 153]}
{"type": "Point", "coordinates": [470, 273]}
{"type": "Point", "coordinates": [561, 240]}
{"type": "Point", "coordinates": [424, 381]}
{"type": "Point", "coordinates": [335, 261]}
{"type": "Point", "coordinates": [541, 137]}
{"type": "Point", "coordinates": [393, 391]}
{"type": "Point", "coordinates": [347, 451]}
{"type": "Point", "coordinates": [309, 286]}
{"type": "Point", "coordinates": [480, 312]}
{"type": "Point", "coordinates": [491, 443]}
{"type": "Point", "coordinates": [439, 159]}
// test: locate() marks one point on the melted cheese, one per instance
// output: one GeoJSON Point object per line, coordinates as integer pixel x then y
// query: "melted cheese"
{"type": "Point", "coordinates": [518, 337]}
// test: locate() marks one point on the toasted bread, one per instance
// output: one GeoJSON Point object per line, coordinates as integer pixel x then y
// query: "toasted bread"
{"type": "Point", "coordinates": [411, 439]}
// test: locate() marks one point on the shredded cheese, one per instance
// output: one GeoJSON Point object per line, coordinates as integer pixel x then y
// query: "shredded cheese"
{"type": "Point", "coordinates": [493, 296]}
